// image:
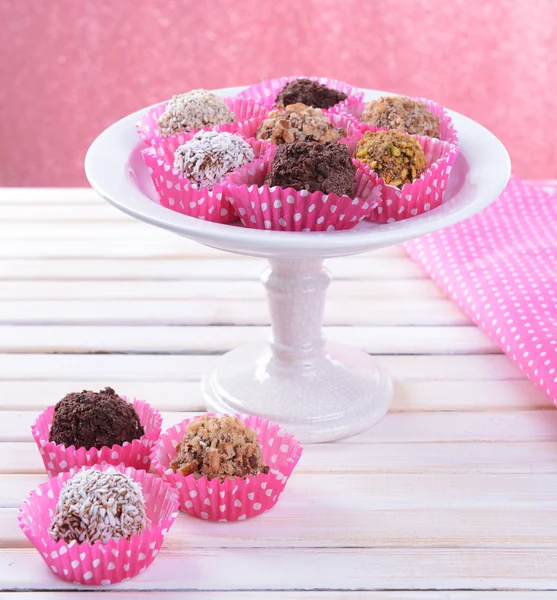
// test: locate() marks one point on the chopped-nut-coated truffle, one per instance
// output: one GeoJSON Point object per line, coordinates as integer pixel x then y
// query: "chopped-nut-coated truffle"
{"type": "Point", "coordinates": [94, 419]}
{"type": "Point", "coordinates": [309, 93]}
{"type": "Point", "coordinates": [218, 447]}
{"type": "Point", "coordinates": [327, 168]}
{"type": "Point", "coordinates": [401, 114]}
{"type": "Point", "coordinates": [298, 123]}
{"type": "Point", "coordinates": [396, 157]}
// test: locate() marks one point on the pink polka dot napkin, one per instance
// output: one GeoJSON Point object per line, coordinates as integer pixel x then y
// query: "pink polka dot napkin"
{"type": "Point", "coordinates": [500, 267]}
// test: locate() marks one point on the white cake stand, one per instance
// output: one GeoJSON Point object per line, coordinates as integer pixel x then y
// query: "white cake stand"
{"type": "Point", "coordinates": [318, 391]}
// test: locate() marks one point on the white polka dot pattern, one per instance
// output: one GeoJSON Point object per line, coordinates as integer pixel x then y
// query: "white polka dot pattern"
{"type": "Point", "coordinates": [243, 109]}
{"type": "Point", "coordinates": [57, 458]}
{"type": "Point", "coordinates": [266, 92]}
{"type": "Point", "coordinates": [500, 267]}
{"type": "Point", "coordinates": [233, 499]}
{"type": "Point", "coordinates": [285, 209]}
{"type": "Point", "coordinates": [99, 564]}
{"type": "Point", "coordinates": [176, 193]}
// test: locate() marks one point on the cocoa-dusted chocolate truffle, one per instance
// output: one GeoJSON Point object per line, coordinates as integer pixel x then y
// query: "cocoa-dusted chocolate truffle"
{"type": "Point", "coordinates": [209, 156]}
{"type": "Point", "coordinates": [194, 110]}
{"type": "Point", "coordinates": [309, 93]}
{"type": "Point", "coordinates": [395, 156]}
{"type": "Point", "coordinates": [298, 123]}
{"type": "Point", "coordinates": [401, 114]}
{"type": "Point", "coordinates": [218, 447]}
{"type": "Point", "coordinates": [94, 419]}
{"type": "Point", "coordinates": [327, 168]}
{"type": "Point", "coordinates": [99, 505]}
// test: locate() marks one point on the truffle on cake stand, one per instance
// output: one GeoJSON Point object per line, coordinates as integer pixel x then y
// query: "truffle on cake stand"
{"type": "Point", "coordinates": [317, 390]}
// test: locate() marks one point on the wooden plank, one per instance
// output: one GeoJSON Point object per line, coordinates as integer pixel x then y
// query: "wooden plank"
{"type": "Point", "coordinates": [186, 395]}
{"type": "Point", "coordinates": [114, 368]}
{"type": "Point", "coordinates": [193, 269]}
{"type": "Point", "coordinates": [54, 213]}
{"type": "Point", "coordinates": [358, 528]}
{"type": "Point", "coordinates": [297, 595]}
{"type": "Point", "coordinates": [522, 426]}
{"type": "Point", "coordinates": [353, 500]}
{"type": "Point", "coordinates": [221, 312]}
{"type": "Point", "coordinates": [49, 196]}
{"type": "Point", "coordinates": [318, 569]}
{"type": "Point", "coordinates": [199, 339]}
{"type": "Point", "coordinates": [368, 458]}
{"type": "Point", "coordinates": [155, 243]}
{"type": "Point", "coordinates": [418, 289]}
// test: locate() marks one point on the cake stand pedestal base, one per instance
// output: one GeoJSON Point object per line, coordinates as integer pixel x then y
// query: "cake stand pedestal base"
{"type": "Point", "coordinates": [320, 392]}
{"type": "Point", "coordinates": [338, 395]}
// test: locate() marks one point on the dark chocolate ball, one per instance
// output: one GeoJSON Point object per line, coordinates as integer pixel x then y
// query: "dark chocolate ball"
{"type": "Point", "coordinates": [90, 419]}
{"type": "Point", "coordinates": [326, 168]}
{"type": "Point", "coordinates": [309, 93]}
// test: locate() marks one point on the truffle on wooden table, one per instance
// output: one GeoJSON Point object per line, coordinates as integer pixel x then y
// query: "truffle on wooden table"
{"type": "Point", "coordinates": [97, 505]}
{"type": "Point", "coordinates": [218, 447]}
{"type": "Point", "coordinates": [90, 419]}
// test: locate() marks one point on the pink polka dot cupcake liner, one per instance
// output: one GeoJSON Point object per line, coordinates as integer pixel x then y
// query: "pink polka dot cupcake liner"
{"type": "Point", "coordinates": [243, 108]}
{"type": "Point", "coordinates": [178, 194]}
{"type": "Point", "coordinates": [249, 128]}
{"type": "Point", "coordinates": [423, 194]}
{"type": "Point", "coordinates": [98, 563]}
{"type": "Point", "coordinates": [266, 92]}
{"type": "Point", "coordinates": [233, 499]}
{"type": "Point", "coordinates": [58, 458]}
{"type": "Point", "coordinates": [286, 209]}
{"type": "Point", "coordinates": [447, 131]}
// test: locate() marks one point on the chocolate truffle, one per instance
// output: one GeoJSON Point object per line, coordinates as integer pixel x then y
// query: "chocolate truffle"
{"type": "Point", "coordinates": [395, 156]}
{"type": "Point", "coordinates": [99, 506]}
{"type": "Point", "coordinates": [218, 447]}
{"type": "Point", "coordinates": [327, 168]}
{"type": "Point", "coordinates": [209, 156]}
{"type": "Point", "coordinates": [309, 93]}
{"type": "Point", "coordinates": [298, 123]}
{"type": "Point", "coordinates": [194, 110]}
{"type": "Point", "coordinates": [401, 114]}
{"type": "Point", "coordinates": [94, 419]}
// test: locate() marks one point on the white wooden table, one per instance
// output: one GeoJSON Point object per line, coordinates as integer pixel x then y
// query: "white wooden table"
{"type": "Point", "coordinates": [456, 489]}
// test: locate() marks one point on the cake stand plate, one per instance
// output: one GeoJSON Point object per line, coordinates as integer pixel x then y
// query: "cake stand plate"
{"type": "Point", "coordinates": [318, 391]}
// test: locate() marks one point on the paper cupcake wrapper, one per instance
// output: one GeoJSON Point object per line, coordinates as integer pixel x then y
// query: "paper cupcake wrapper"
{"type": "Point", "coordinates": [176, 193]}
{"type": "Point", "coordinates": [58, 458]}
{"type": "Point", "coordinates": [234, 499]}
{"type": "Point", "coordinates": [447, 131]}
{"type": "Point", "coordinates": [423, 194]}
{"type": "Point", "coordinates": [98, 563]}
{"type": "Point", "coordinates": [248, 129]}
{"type": "Point", "coordinates": [266, 92]}
{"type": "Point", "coordinates": [243, 108]}
{"type": "Point", "coordinates": [285, 209]}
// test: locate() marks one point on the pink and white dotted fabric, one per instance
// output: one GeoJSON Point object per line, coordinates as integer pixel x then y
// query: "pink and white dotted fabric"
{"type": "Point", "coordinates": [500, 267]}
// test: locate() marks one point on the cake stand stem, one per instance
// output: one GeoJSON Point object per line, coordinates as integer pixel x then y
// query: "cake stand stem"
{"type": "Point", "coordinates": [297, 291]}
{"type": "Point", "coordinates": [318, 391]}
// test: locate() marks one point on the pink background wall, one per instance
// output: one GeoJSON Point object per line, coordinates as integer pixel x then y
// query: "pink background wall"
{"type": "Point", "coordinates": [71, 67]}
